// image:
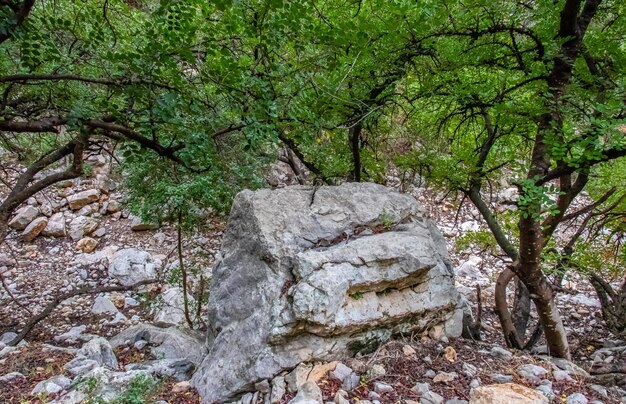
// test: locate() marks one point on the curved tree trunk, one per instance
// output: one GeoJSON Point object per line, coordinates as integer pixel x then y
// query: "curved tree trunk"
{"type": "Point", "coordinates": [613, 304]}
{"type": "Point", "coordinates": [502, 309]}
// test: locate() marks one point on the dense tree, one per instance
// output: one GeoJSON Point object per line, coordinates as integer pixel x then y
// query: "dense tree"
{"type": "Point", "coordinates": [197, 97]}
{"type": "Point", "coordinates": [533, 91]}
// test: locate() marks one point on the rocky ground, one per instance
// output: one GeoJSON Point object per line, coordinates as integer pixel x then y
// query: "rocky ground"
{"type": "Point", "coordinates": [78, 235]}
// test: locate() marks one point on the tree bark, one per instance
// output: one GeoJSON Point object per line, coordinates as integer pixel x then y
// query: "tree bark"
{"type": "Point", "coordinates": [354, 133]}
{"type": "Point", "coordinates": [509, 330]}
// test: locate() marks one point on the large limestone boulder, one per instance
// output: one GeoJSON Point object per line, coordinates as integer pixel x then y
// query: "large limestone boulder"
{"type": "Point", "coordinates": [320, 274]}
{"type": "Point", "coordinates": [131, 265]}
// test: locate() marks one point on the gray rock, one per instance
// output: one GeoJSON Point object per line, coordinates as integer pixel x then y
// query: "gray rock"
{"type": "Point", "coordinates": [501, 353]}
{"type": "Point", "coordinates": [172, 308]}
{"type": "Point", "coordinates": [532, 373]}
{"type": "Point", "coordinates": [576, 398]}
{"type": "Point", "coordinates": [341, 372]}
{"type": "Point", "coordinates": [102, 305]}
{"type": "Point", "coordinates": [562, 376]}
{"type": "Point", "coordinates": [262, 386]}
{"type": "Point", "coordinates": [469, 370]}
{"type": "Point", "coordinates": [11, 376]}
{"type": "Point", "coordinates": [170, 343]}
{"type": "Point", "coordinates": [141, 344]}
{"type": "Point", "coordinates": [84, 198]}
{"type": "Point", "coordinates": [309, 393]}
{"type": "Point", "coordinates": [7, 337]}
{"type": "Point", "coordinates": [55, 226]}
{"type": "Point", "coordinates": [131, 265]}
{"type": "Point", "coordinates": [99, 350]}
{"type": "Point", "coordinates": [80, 366]}
{"type": "Point", "coordinates": [291, 287]}
{"type": "Point", "coordinates": [566, 365]}
{"type": "Point", "coordinates": [430, 397]}
{"type": "Point", "coordinates": [137, 224]}
{"type": "Point", "coordinates": [23, 217]}
{"type": "Point", "coordinates": [34, 228]}
{"type": "Point", "coordinates": [82, 226]}
{"type": "Point", "coordinates": [421, 388]}
{"type": "Point", "coordinates": [180, 369]}
{"type": "Point", "coordinates": [130, 302]}
{"type": "Point", "coordinates": [72, 334]}
{"type": "Point", "coordinates": [601, 390]}
{"type": "Point", "coordinates": [500, 378]}
{"type": "Point", "coordinates": [456, 400]}
{"type": "Point", "coordinates": [382, 388]}
{"type": "Point", "coordinates": [545, 388]}
{"type": "Point", "coordinates": [53, 385]}
{"type": "Point", "coordinates": [351, 382]}
{"type": "Point", "coordinates": [278, 390]}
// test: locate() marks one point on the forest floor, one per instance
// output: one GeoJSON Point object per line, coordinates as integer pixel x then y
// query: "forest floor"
{"type": "Point", "coordinates": [36, 272]}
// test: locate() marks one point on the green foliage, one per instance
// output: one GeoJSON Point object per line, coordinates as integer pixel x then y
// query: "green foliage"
{"type": "Point", "coordinates": [481, 239]}
{"type": "Point", "coordinates": [138, 391]}
{"type": "Point", "coordinates": [357, 295]}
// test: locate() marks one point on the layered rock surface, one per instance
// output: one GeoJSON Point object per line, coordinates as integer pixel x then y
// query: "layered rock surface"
{"type": "Point", "coordinates": [311, 273]}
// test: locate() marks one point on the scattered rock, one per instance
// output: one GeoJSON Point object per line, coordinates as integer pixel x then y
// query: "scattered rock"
{"type": "Point", "coordinates": [545, 388]}
{"type": "Point", "coordinates": [168, 343]}
{"type": "Point", "coordinates": [278, 390]}
{"type": "Point", "coordinates": [87, 244]}
{"type": "Point", "coordinates": [137, 224]}
{"type": "Point", "coordinates": [72, 334]}
{"type": "Point", "coordinates": [443, 377]}
{"type": "Point", "coordinates": [102, 305]}
{"type": "Point", "coordinates": [430, 397]}
{"type": "Point", "coordinates": [132, 265]}
{"type": "Point", "coordinates": [23, 217]}
{"type": "Point", "coordinates": [55, 226]}
{"type": "Point", "coordinates": [501, 353]}
{"type": "Point", "coordinates": [308, 393]}
{"type": "Point", "coordinates": [82, 226]}
{"type": "Point", "coordinates": [84, 198]}
{"type": "Point", "coordinates": [576, 398]}
{"type": "Point", "coordinates": [34, 228]}
{"type": "Point", "coordinates": [53, 385]}
{"type": "Point", "coordinates": [9, 377]}
{"type": "Point", "coordinates": [507, 393]}
{"type": "Point", "coordinates": [172, 308]}
{"type": "Point", "coordinates": [450, 354]}
{"type": "Point", "coordinates": [500, 378]}
{"type": "Point", "coordinates": [98, 349]}
{"type": "Point", "coordinates": [421, 388]}
{"type": "Point", "coordinates": [408, 350]}
{"type": "Point", "coordinates": [532, 373]}
{"type": "Point", "coordinates": [382, 388]}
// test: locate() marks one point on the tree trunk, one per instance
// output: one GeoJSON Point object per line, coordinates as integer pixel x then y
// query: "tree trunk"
{"type": "Point", "coordinates": [550, 320]}
{"type": "Point", "coordinates": [354, 134]}
{"type": "Point", "coordinates": [529, 271]}
{"type": "Point", "coordinates": [509, 330]}
{"type": "Point", "coordinates": [613, 304]}
{"type": "Point", "coordinates": [521, 309]}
